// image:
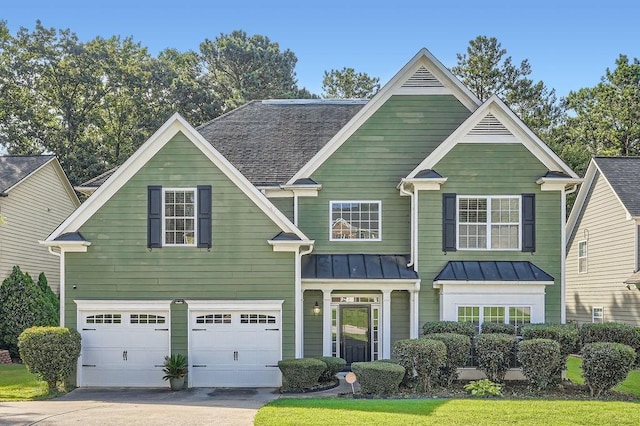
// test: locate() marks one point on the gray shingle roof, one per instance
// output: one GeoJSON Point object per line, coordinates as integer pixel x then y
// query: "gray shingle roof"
{"type": "Point", "coordinates": [623, 173]}
{"type": "Point", "coordinates": [492, 271]}
{"type": "Point", "coordinates": [269, 141]}
{"type": "Point", "coordinates": [14, 168]}
{"type": "Point", "coordinates": [356, 266]}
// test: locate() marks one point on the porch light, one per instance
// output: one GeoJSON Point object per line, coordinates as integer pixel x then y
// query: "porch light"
{"type": "Point", "coordinates": [316, 308]}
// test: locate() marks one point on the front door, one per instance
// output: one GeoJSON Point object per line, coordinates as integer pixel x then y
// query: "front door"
{"type": "Point", "coordinates": [354, 332]}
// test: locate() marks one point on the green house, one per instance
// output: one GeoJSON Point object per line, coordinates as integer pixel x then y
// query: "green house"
{"type": "Point", "coordinates": [306, 228]}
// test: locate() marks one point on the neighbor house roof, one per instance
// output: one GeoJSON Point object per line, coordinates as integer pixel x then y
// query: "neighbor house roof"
{"type": "Point", "coordinates": [623, 174]}
{"type": "Point", "coordinates": [15, 168]}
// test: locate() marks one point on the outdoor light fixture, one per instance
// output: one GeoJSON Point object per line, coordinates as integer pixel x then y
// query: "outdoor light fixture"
{"type": "Point", "coordinates": [316, 308]}
{"type": "Point", "coordinates": [178, 301]}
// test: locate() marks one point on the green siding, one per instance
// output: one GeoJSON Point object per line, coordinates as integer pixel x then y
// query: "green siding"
{"type": "Point", "coordinates": [370, 164]}
{"type": "Point", "coordinates": [285, 205]}
{"type": "Point", "coordinates": [240, 264]}
{"type": "Point", "coordinates": [312, 324]}
{"type": "Point", "coordinates": [399, 316]}
{"type": "Point", "coordinates": [489, 169]}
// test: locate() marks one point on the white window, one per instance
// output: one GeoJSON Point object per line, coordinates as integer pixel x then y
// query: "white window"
{"type": "Point", "coordinates": [514, 315]}
{"type": "Point", "coordinates": [597, 315]}
{"type": "Point", "coordinates": [355, 220]}
{"type": "Point", "coordinates": [489, 223]}
{"type": "Point", "coordinates": [582, 257]}
{"type": "Point", "coordinates": [179, 222]}
{"type": "Point", "coordinates": [519, 316]}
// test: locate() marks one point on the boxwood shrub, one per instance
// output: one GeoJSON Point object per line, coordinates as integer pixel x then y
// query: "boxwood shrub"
{"type": "Point", "coordinates": [565, 334]}
{"type": "Point", "coordinates": [605, 364]}
{"type": "Point", "coordinates": [301, 373]}
{"type": "Point", "coordinates": [542, 362]}
{"type": "Point", "coordinates": [50, 352]}
{"type": "Point", "coordinates": [458, 350]}
{"type": "Point", "coordinates": [334, 366]}
{"type": "Point", "coordinates": [498, 327]}
{"type": "Point", "coordinates": [612, 332]}
{"type": "Point", "coordinates": [422, 359]}
{"type": "Point", "coordinates": [494, 354]}
{"type": "Point", "coordinates": [378, 378]}
{"type": "Point", "coordinates": [433, 327]}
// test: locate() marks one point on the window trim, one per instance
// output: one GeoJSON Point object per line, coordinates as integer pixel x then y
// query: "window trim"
{"type": "Point", "coordinates": [593, 315]}
{"type": "Point", "coordinates": [489, 199]}
{"type": "Point", "coordinates": [481, 313]}
{"type": "Point", "coordinates": [378, 202]}
{"type": "Point", "coordinates": [585, 257]}
{"type": "Point", "coordinates": [195, 217]}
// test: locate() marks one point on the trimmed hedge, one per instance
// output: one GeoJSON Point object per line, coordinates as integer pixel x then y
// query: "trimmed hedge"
{"type": "Point", "coordinates": [458, 350]}
{"type": "Point", "coordinates": [50, 352]}
{"type": "Point", "coordinates": [334, 366]}
{"type": "Point", "coordinates": [300, 373]}
{"type": "Point", "coordinates": [498, 328]}
{"type": "Point", "coordinates": [542, 362]}
{"type": "Point", "coordinates": [378, 378]}
{"type": "Point", "coordinates": [494, 354]}
{"type": "Point", "coordinates": [612, 332]}
{"type": "Point", "coordinates": [421, 358]}
{"type": "Point", "coordinates": [605, 364]}
{"type": "Point", "coordinates": [566, 335]}
{"type": "Point", "coordinates": [436, 327]}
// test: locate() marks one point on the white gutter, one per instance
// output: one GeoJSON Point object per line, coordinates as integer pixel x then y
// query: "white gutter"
{"type": "Point", "coordinates": [563, 253]}
{"type": "Point", "coordinates": [62, 282]}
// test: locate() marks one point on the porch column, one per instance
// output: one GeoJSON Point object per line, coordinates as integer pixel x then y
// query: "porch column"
{"type": "Point", "coordinates": [386, 324]}
{"type": "Point", "coordinates": [326, 323]}
{"type": "Point", "coordinates": [414, 326]}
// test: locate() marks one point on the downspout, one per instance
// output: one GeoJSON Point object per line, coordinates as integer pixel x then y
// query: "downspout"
{"type": "Point", "coordinates": [563, 253]}
{"type": "Point", "coordinates": [295, 208]}
{"type": "Point", "coordinates": [299, 305]}
{"type": "Point", "coordinates": [62, 283]}
{"type": "Point", "coordinates": [412, 221]}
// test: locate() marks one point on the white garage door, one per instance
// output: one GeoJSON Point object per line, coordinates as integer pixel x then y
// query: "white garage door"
{"type": "Point", "coordinates": [123, 348]}
{"type": "Point", "coordinates": [235, 348]}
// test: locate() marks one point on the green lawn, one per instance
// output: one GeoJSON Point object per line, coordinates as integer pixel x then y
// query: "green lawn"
{"type": "Point", "coordinates": [630, 385]}
{"type": "Point", "coordinates": [17, 384]}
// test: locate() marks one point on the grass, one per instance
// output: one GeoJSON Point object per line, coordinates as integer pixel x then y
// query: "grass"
{"type": "Point", "coordinates": [631, 384]}
{"type": "Point", "coordinates": [17, 384]}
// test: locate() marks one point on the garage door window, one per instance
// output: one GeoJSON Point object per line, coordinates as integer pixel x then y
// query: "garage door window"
{"type": "Point", "coordinates": [214, 319]}
{"type": "Point", "coordinates": [257, 319]}
{"type": "Point", "coordinates": [104, 319]}
{"type": "Point", "coordinates": [147, 319]}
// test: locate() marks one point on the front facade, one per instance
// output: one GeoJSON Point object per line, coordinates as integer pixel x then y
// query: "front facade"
{"type": "Point", "coordinates": [603, 251]}
{"type": "Point", "coordinates": [306, 228]}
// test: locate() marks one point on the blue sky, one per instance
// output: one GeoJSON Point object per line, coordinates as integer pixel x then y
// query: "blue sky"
{"type": "Point", "coordinates": [568, 43]}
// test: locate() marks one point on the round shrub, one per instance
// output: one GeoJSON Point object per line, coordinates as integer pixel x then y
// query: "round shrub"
{"type": "Point", "coordinates": [301, 373]}
{"type": "Point", "coordinates": [498, 327]}
{"type": "Point", "coordinates": [494, 354]}
{"type": "Point", "coordinates": [605, 364]}
{"type": "Point", "coordinates": [542, 362]}
{"type": "Point", "coordinates": [378, 378]}
{"type": "Point", "coordinates": [433, 327]}
{"type": "Point", "coordinates": [334, 366]}
{"type": "Point", "coordinates": [612, 332]}
{"type": "Point", "coordinates": [50, 352]}
{"type": "Point", "coordinates": [565, 334]}
{"type": "Point", "coordinates": [458, 351]}
{"type": "Point", "coordinates": [422, 359]}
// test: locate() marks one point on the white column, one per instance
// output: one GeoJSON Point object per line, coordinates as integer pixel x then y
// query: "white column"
{"type": "Point", "coordinates": [326, 323]}
{"type": "Point", "coordinates": [299, 308]}
{"type": "Point", "coordinates": [414, 330]}
{"type": "Point", "coordinates": [563, 258]}
{"type": "Point", "coordinates": [386, 324]}
{"type": "Point", "coordinates": [63, 292]}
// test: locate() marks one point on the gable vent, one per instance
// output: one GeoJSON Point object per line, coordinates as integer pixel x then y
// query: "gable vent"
{"type": "Point", "coordinates": [490, 125]}
{"type": "Point", "coordinates": [422, 78]}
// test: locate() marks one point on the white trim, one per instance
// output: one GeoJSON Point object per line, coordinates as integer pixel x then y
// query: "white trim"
{"type": "Point", "coordinates": [429, 184]}
{"type": "Point", "coordinates": [593, 314]}
{"type": "Point", "coordinates": [176, 124]}
{"type": "Point", "coordinates": [585, 257]}
{"type": "Point", "coordinates": [353, 285]}
{"type": "Point", "coordinates": [522, 135]}
{"type": "Point", "coordinates": [440, 283]}
{"type": "Point", "coordinates": [234, 305]}
{"type": "Point", "coordinates": [556, 184]}
{"type": "Point", "coordinates": [68, 246]}
{"type": "Point", "coordinates": [359, 202]}
{"type": "Point", "coordinates": [393, 87]}
{"type": "Point", "coordinates": [121, 305]}
{"type": "Point", "coordinates": [489, 222]}
{"type": "Point", "coordinates": [290, 245]}
{"type": "Point", "coordinates": [195, 216]}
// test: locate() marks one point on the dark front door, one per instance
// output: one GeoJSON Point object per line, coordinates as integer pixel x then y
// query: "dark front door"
{"type": "Point", "coordinates": [354, 332]}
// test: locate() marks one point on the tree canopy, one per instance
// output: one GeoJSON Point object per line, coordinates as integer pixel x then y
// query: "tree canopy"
{"type": "Point", "coordinates": [349, 84]}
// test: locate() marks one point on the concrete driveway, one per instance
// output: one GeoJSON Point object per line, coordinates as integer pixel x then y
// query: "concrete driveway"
{"type": "Point", "coordinates": [119, 406]}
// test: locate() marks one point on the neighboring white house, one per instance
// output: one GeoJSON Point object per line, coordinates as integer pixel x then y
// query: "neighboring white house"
{"type": "Point", "coordinates": [603, 244]}
{"type": "Point", "coordinates": [35, 197]}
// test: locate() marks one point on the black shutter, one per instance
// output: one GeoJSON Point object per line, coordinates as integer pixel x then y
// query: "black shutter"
{"type": "Point", "coordinates": [154, 216]}
{"type": "Point", "coordinates": [529, 222]}
{"type": "Point", "coordinates": [204, 216]}
{"type": "Point", "coordinates": [449, 222]}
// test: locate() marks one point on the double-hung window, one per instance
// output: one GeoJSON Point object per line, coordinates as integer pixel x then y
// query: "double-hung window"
{"type": "Point", "coordinates": [489, 222]}
{"type": "Point", "coordinates": [179, 225]}
{"type": "Point", "coordinates": [355, 220]}
{"type": "Point", "coordinates": [582, 257]}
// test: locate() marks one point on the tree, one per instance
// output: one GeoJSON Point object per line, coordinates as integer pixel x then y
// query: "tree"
{"type": "Point", "coordinates": [486, 71]}
{"type": "Point", "coordinates": [347, 84]}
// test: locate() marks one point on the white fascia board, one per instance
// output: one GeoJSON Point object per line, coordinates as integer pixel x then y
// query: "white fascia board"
{"type": "Point", "coordinates": [579, 205]}
{"type": "Point", "coordinates": [521, 132]}
{"type": "Point", "coordinates": [290, 245]}
{"type": "Point", "coordinates": [440, 283]}
{"type": "Point", "coordinates": [360, 285]}
{"type": "Point", "coordinates": [393, 87]}
{"type": "Point", "coordinates": [429, 184]}
{"type": "Point", "coordinates": [556, 184]}
{"type": "Point", "coordinates": [121, 305]}
{"type": "Point", "coordinates": [139, 158]}
{"type": "Point", "coordinates": [68, 246]}
{"type": "Point", "coordinates": [234, 305]}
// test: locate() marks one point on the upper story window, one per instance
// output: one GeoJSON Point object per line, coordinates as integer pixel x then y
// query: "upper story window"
{"type": "Point", "coordinates": [179, 217]}
{"type": "Point", "coordinates": [355, 220]}
{"type": "Point", "coordinates": [489, 222]}
{"type": "Point", "coordinates": [582, 257]}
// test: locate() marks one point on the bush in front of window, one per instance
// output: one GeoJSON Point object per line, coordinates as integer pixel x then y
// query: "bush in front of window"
{"type": "Point", "coordinates": [334, 366]}
{"type": "Point", "coordinates": [378, 378]}
{"type": "Point", "coordinates": [498, 327]}
{"type": "Point", "coordinates": [432, 327]}
{"type": "Point", "coordinates": [300, 374]}
{"type": "Point", "coordinates": [422, 359]}
{"type": "Point", "coordinates": [612, 332]}
{"type": "Point", "coordinates": [605, 364]}
{"type": "Point", "coordinates": [458, 350]}
{"type": "Point", "coordinates": [566, 335]}
{"type": "Point", "coordinates": [542, 362]}
{"type": "Point", "coordinates": [494, 354]}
